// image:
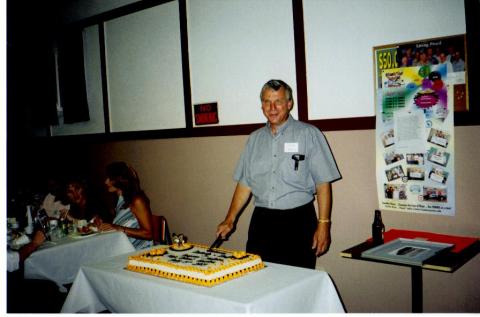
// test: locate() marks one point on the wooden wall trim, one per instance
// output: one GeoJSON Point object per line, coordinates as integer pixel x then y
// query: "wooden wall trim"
{"type": "Point", "coordinates": [364, 123]}
{"type": "Point", "coordinates": [187, 91]}
{"type": "Point", "coordinates": [300, 60]}
{"type": "Point", "coordinates": [103, 71]}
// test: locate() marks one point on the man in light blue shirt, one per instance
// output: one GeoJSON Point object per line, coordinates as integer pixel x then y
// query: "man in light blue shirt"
{"type": "Point", "coordinates": [283, 165]}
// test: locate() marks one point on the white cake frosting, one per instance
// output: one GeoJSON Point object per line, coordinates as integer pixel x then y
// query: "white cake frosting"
{"type": "Point", "coordinates": [194, 264]}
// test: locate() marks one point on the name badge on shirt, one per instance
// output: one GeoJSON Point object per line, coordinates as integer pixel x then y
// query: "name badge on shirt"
{"type": "Point", "coordinates": [291, 147]}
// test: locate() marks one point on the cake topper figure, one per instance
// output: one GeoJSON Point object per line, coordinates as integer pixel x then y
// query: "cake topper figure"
{"type": "Point", "coordinates": [179, 239]}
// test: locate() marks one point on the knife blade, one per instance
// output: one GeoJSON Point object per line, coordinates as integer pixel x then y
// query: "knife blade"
{"type": "Point", "coordinates": [218, 241]}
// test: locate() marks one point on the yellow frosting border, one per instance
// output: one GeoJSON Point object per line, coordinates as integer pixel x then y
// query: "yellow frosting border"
{"type": "Point", "coordinates": [188, 279]}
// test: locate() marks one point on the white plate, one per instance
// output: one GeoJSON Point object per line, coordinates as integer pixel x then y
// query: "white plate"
{"type": "Point", "coordinates": [108, 231]}
{"type": "Point", "coordinates": [81, 236]}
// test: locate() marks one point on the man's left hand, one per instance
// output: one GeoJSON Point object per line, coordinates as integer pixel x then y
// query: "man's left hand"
{"type": "Point", "coordinates": [321, 239]}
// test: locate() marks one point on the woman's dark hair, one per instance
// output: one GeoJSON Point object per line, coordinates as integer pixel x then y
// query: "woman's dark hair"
{"type": "Point", "coordinates": [124, 178]}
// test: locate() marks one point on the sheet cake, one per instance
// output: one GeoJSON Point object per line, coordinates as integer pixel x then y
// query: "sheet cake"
{"type": "Point", "coordinates": [193, 263]}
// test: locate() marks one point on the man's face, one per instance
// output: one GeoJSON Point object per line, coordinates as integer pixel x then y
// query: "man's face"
{"type": "Point", "coordinates": [443, 58]}
{"type": "Point", "coordinates": [275, 106]}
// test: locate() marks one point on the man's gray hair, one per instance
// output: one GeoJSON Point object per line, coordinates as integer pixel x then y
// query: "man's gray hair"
{"type": "Point", "coordinates": [276, 84]}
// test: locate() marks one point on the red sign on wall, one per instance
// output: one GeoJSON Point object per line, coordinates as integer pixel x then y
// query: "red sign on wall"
{"type": "Point", "coordinates": [206, 113]}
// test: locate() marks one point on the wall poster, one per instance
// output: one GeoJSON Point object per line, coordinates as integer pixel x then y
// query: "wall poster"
{"type": "Point", "coordinates": [416, 97]}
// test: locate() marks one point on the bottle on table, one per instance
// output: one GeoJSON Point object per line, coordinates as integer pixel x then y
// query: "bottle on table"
{"type": "Point", "coordinates": [29, 228]}
{"type": "Point", "coordinates": [42, 223]}
{"type": "Point", "coordinates": [64, 226]}
{"type": "Point", "coordinates": [378, 228]}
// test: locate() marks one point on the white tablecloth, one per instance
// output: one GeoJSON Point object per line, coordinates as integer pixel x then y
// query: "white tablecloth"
{"type": "Point", "coordinates": [60, 261]}
{"type": "Point", "coordinates": [274, 289]}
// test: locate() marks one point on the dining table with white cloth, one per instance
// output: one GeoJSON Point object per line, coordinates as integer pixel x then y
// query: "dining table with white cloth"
{"type": "Point", "coordinates": [108, 286]}
{"type": "Point", "coordinates": [60, 260]}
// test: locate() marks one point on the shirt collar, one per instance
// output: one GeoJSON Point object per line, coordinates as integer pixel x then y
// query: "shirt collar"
{"type": "Point", "coordinates": [281, 128]}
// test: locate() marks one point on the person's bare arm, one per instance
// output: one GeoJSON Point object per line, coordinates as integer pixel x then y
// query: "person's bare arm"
{"type": "Point", "coordinates": [26, 250]}
{"type": "Point", "coordinates": [321, 238]}
{"type": "Point", "coordinates": [239, 199]}
{"type": "Point", "coordinates": [141, 210]}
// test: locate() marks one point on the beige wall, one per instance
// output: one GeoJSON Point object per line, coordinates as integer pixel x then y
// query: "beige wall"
{"type": "Point", "coordinates": [190, 182]}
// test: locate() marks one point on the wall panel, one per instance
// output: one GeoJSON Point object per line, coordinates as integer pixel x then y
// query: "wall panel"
{"type": "Point", "coordinates": [235, 47]}
{"type": "Point", "coordinates": [144, 70]}
{"type": "Point", "coordinates": [340, 36]}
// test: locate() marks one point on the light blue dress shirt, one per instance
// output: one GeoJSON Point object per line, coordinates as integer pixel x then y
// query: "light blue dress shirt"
{"type": "Point", "coordinates": [266, 165]}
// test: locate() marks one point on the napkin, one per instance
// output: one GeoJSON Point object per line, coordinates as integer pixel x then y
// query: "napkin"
{"type": "Point", "coordinates": [20, 241]}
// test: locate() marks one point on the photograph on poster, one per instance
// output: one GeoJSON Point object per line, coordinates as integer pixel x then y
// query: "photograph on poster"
{"type": "Point", "coordinates": [437, 156]}
{"type": "Point", "coordinates": [438, 175]}
{"type": "Point", "coordinates": [394, 173]}
{"type": "Point", "coordinates": [449, 51]}
{"type": "Point", "coordinates": [392, 157]}
{"type": "Point", "coordinates": [416, 189]}
{"type": "Point", "coordinates": [445, 51]}
{"type": "Point", "coordinates": [393, 79]}
{"type": "Point", "coordinates": [438, 137]}
{"type": "Point", "coordinates": [388, 138]}
{"type": "Point", "coordinates": [435, 194]}
{"type": "Point", "coordinates": [415, 158]}
{"type": "Point", "coordinates": [415, 173]}
{"type": "Point", "coordinates": [395, 191]}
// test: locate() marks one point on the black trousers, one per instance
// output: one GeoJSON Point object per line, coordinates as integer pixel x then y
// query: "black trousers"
{"type": "Point", "coordinates": [284, 236]}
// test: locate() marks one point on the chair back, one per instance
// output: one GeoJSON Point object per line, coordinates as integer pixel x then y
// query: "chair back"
{"type": "Point", "coordinates": [161, 232]}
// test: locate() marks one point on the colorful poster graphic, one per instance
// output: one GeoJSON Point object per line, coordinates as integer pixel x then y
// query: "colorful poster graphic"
{"type": "Point", "coordinates": [415, 141]}
{"type": "Point", "coordinates": [448, 51]}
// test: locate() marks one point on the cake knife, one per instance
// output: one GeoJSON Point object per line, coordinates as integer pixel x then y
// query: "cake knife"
{"type": "Point", "coordinates": [218, 241]}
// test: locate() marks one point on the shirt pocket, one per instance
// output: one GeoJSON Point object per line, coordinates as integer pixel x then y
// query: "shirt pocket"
{"type": "Point", "coordinates": [297, 178]}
